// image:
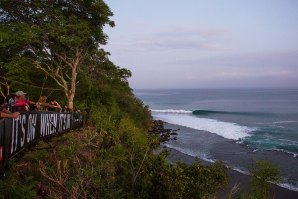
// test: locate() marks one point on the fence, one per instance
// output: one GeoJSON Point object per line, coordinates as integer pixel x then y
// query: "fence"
{"type": "Point", "coordinates": [17, 134]}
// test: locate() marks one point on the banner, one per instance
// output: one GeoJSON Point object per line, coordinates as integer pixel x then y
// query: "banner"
{"type": "Point", "coordinates": [30, 127]}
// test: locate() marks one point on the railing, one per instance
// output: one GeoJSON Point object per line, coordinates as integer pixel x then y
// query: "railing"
{"type": "Point", "coordinates": [29, 128]}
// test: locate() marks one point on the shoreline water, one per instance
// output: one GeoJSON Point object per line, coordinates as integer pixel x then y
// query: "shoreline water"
{"type": "Point", "coordinates": [237, 127]}
{"type": "Point", "coordinates": [234, 155]}
{"type": "Point", "coordinates": [235, 177]}
{"type": "Point", "coordinates": [264, 119]}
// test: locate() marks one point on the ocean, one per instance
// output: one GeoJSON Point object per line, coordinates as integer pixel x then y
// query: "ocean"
{"type": "Point", "coordinates": [236, 126]}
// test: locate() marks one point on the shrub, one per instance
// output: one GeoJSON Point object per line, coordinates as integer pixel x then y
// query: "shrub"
{"type": "Point", "coordinates": [263, 174]}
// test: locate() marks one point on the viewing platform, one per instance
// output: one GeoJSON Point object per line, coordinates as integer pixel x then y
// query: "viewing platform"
{"type": "Point", "coordinates": [30, 127]}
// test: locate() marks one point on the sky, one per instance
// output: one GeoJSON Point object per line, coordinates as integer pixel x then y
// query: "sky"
{"type": "Point", "coordinates": [206, 44]}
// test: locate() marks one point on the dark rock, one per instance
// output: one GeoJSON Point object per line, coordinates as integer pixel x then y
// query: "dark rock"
{"type": "Point", "coordinates": [158, 128]}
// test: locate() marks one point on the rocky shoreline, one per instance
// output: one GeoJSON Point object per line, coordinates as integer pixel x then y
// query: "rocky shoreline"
{"type": "Point", "coordinates": [158, 128]}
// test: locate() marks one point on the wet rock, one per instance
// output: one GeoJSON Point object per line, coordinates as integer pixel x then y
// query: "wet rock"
{"type": "Point", "coordinates": [158, 128]}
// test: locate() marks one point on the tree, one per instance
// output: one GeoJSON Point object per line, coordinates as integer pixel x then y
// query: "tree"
{"type": "Point", "coordinates": [57, 37]}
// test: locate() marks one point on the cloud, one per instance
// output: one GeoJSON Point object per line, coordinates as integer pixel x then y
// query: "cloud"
{"type": "Point", "coordinates": [206, 32]}
{"type": "Point", "coordinates": [184, 38]}
{"type": "Point", "coordinates": [236, 75]}
{"type": "Point", "coordinates": [177, 44]}
{"type": "Point", "coordinates": [198, 57]}
{"type": "Point", "coordinates": [274, 69]}
{"type": "Point", "coordinates": [261, 60]}
{"type": "Point", "coordinates": [178, 38]}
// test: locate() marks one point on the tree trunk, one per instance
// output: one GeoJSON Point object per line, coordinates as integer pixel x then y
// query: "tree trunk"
{"type": "Point", "coordinates": [70, 101]}
{"type": "Point", "coordinates": [72, 91]}
{"type": "Point", "coordinates": [58, 74]}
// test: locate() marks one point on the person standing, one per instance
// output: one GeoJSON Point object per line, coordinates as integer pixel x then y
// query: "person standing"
{"type": "Point", "coordinates": [54, 106]}
{"type": "Point", "coordinates": [21, 102]}
{"type": "Point", "coordinates": [7, 114]}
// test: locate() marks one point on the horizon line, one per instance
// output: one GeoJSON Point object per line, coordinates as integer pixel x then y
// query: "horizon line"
{"type": "Point", "coordinates": [173, 88]}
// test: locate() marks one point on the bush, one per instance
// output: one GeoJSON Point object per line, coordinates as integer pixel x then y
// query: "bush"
{"type": "Point", "coordinates": [118, 164]}
{"type": "Point", "coordinates": [263, 174]}
{"type": "Point", "coordinates": [13, 187]}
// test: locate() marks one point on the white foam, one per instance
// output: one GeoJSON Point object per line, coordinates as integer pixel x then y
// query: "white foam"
{"type": "Point", "coordinates": [202, 156]}
{"type": "Point", "coordinates": [295, 155]}
{"type": "Point", "coordinates": [225, 129]}
{"type": "Point", "coordinates": [241, 171]}
{"type": "Point", "coordinates": [282, 122]}
{"type": "Point", "coordinates": [172, 111]}
{"type": "Point", "coordinates": [205, 157]}
{"type": "Point", "coordinates": [288, 186]}
{"type": "Point", "coordinates": [290, 142]}
{"type": "Point", "coordinates": [283, 185]}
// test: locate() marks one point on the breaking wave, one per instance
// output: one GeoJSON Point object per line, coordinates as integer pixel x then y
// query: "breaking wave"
{"type": "Point", "coordinates": [187, 119]}
{"type": "Point", "coordinates": [172, 111]}
{"type": "Point", "coordinates": [208, 112]}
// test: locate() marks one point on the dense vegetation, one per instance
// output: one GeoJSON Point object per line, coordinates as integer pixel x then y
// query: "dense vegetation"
{"type": "Point", "coordinates": [118, 163]}
{"type": "Point", "coordinates": [53, 48]}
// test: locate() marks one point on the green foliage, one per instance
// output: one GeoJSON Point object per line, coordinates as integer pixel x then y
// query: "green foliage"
{"type": "Point", "coordinates": [15, 188]}
{"type": "Point", "coordinates": [263, 174]}
{"type": "Point", "coordinates": [61, 39]}
{"type": "Point", "coordinates": [114, 157]}
{"type": "Point", "coordinates": [162, 180]}
{"type": "Point", "coordinates": [114, 163]}
{"type": "Point", "coordinates": [41, 39]}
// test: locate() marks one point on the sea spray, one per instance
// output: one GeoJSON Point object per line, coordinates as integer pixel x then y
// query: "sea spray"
{"type": "Point", "coordinates": [225, 129]}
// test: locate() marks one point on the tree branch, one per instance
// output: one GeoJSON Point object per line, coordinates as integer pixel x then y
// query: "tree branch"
{"type": "Point", "coordinates": [64, 59]}
{"type": "Point", "coordinates": [38, 66]}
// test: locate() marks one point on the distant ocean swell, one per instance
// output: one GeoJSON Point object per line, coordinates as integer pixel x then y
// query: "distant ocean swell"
{"type": "Point", "coordinates": [209, 112]}
{"type": "Point", "coordinates": [188, 119]}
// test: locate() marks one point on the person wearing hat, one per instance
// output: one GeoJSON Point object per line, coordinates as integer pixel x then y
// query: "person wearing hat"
{"type": "Point", "coordinates": [21, 103]}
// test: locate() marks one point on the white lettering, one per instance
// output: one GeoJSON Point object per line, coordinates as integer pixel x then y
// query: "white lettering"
{"type": "Point", "coordinates": [62, 122]}
{"type": "Point", "coordinates": [31, 127]}
{"type": "Point", "coordinates": [12, 138]}
{"type": "Point", "coordinates": [54, 123]}
{"type": "Point", "coordinates": [68, 121]}
{"type": "Point", "coordinates": [23, 132]}
{"type": "Point", "coordinates": [43, 125]}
